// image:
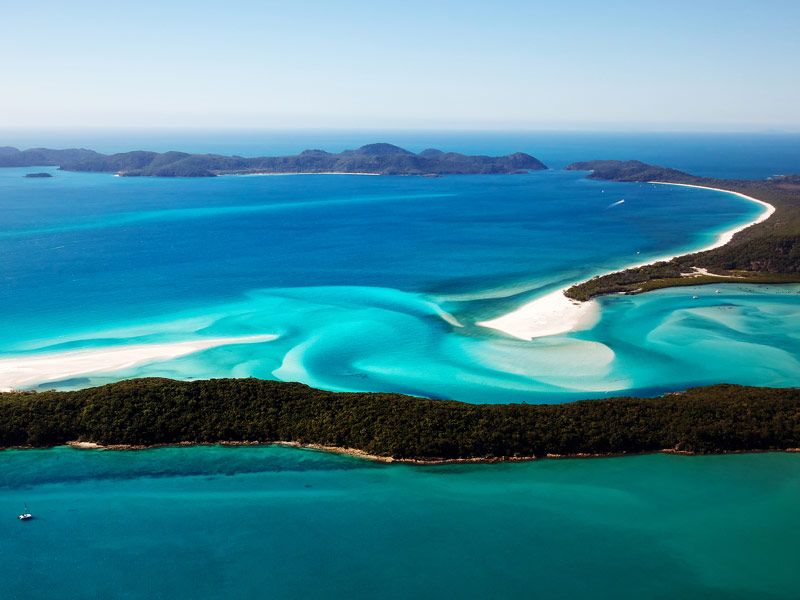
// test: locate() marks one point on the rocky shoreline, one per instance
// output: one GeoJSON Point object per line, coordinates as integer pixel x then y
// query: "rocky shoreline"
{"type": "Point", "coordinates": [355, 452]}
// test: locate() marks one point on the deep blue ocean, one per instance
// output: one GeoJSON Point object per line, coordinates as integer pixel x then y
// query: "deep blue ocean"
{"type": "Point", "coordinates": [376, 284]}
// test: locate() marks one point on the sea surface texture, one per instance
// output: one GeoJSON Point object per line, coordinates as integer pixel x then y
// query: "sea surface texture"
{"type": "Point", "coordinates": [267, 522]}
{"type": "Point", "coordinates": [375, 283]}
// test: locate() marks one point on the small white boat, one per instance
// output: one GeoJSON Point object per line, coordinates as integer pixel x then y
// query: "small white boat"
{"type": "Point", "coordinates": [694, 297]}
{"type": "Point", "coordinates": [26, 516]}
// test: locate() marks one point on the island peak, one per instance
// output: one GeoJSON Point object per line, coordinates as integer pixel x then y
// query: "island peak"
{"type": "Point", "coordinates": [381, 149]}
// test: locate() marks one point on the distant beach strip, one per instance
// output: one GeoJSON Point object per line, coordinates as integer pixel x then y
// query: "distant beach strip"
{"type": "Point", "coordinates": [555, 313]}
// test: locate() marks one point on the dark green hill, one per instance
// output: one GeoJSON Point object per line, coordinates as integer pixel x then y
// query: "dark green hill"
{"type": "Point", "coordinates": [381, 149]}
{"type": "Point", "coordinates": [628, 170]}
{"type": "Point", "coordinates": [126, 161]}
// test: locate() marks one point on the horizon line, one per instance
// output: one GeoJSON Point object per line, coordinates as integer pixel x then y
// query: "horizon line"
{"type": "Point", "coordinates": [791, 130]}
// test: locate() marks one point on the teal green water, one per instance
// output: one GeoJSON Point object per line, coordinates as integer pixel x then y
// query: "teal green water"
{"type": "Point", "coordinates": [268, 522]}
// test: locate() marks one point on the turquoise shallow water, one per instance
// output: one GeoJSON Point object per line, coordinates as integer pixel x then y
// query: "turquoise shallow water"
{"type": "Point", "coordinates": [376, 283]}
{"type": "Point", "coordinates": [270, 522]}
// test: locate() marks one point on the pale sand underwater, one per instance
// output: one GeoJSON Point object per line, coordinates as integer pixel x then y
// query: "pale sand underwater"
{"type": "Point", "coordinates": [23, 370]}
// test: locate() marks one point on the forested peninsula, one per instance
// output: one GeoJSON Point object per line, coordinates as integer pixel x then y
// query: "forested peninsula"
{"type": "Point", "coordinates": [768, 252]}
{"type": "Point", "coordinates": [153, 411]}
{"type": "Point", "coordinates": [374, 159]}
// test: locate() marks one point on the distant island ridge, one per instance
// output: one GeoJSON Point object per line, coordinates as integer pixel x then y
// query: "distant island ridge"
{"type": "Point", "coordinates": [373, 159]}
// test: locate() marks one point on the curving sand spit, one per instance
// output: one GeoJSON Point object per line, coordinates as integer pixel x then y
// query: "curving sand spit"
{"type": "Point", "coordinates": [551, 314]}
{"type": "Point", "coordinates": [554, 313]}
{"type": "Point", "coordinates": [19, 371]}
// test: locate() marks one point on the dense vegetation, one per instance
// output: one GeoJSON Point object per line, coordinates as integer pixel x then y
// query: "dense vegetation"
{"type": "Point", "coordinates": [383, 159]}
{"type": "Point", "coordinates": [162, 411]}
{"type": "Point", "coordinates": [768, 252]}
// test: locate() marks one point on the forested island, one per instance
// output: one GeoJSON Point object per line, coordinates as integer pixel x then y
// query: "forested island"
{"type": "Point", "coordinates": [375, 159]}
{"type": "Point", "coordinates": [38, 175]}
{"type": "Point", "coordinates": [768, 252]}
{"type": "Point", "coordinates": [153, 411]}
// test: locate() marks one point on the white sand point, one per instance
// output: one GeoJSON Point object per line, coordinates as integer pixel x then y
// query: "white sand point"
{"type": "Point", "coordinates": [551, 314]}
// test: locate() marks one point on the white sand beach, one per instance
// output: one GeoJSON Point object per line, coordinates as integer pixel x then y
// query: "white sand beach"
{"type": "Point", "coordinates": [17, 372]}
{"type": "Point", "coordinates": [554, 313]}
{"type": "Point", "coordinates": [550, 314]}
{"type": "Point", "coordinates": [726, 236]}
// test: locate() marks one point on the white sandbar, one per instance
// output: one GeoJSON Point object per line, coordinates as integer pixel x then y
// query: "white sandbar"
{"type": "Point", "coordinates": [550, 314]}
{"type": "Point", "coordinates": [554, 313]}
{"type": "Point", "coordinates": [16, 372]}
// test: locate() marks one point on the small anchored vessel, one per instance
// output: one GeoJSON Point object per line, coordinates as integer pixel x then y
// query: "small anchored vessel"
{"type": "Point", "coordinates": [26, 516]}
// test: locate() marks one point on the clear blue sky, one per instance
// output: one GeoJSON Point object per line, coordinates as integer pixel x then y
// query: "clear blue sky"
{"type": "Point", "coordinates": [683, 65]}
